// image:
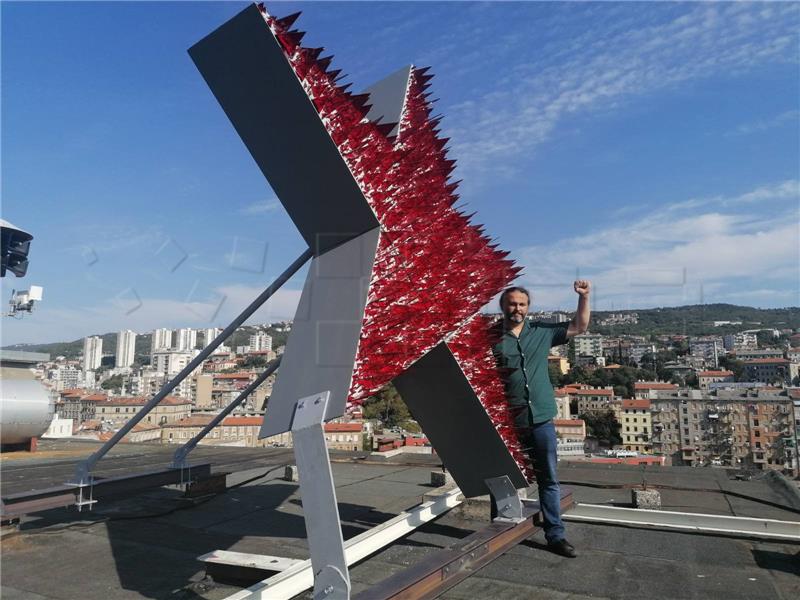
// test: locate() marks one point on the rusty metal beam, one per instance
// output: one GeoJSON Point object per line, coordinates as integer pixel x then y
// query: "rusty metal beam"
{"type": "Point", "coordinates": [23, 503]}
{"type": "Point", "coordinates": [447, 567]}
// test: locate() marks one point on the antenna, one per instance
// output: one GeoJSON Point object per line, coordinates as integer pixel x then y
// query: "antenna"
{"type": "Point", "coordinates": [23, 301]}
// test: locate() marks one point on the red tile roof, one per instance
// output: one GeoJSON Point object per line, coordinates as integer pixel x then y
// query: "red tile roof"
{"type": "Point", "coordinates": [654, 385]}
{"type": "Point", "coordinates": [141, 401]}
{"type": "Point", "coordinates": [342, 427]}
{"type": "Point", "coordinates": [243, 421]}
{"type": "Point", "coordinates": [233, 375]}
{"type": "Point", "coordinates": [766, 361]}
{"type": "Point", "coordinates": [630, 403]}
{"type": "Point", "coordinates": [195, 421]}
{"type": "Point", "coordinates": [592, 392]}
{"type": "Point", "coordinates": [568, 422]}
{"type": "Point", "coordinates": [715, 374]}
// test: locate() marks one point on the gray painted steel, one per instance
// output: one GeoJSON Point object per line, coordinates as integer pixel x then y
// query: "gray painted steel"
{"type": "Point", "coordinates": [245, 68]}
{"type": "Point", "coordinates": [26, 410]}
{"type": "Point", "coordinates": [323, 529]}
{"type": "Point", "coordinates": [388, 97]}
{"type": "Point", "coordinates": [321, 349]}
{"type": "Point", "coordinates": [441, 399]}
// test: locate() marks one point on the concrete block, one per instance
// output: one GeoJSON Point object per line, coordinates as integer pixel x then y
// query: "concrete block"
{"type": "Point", "coordinates": [440, 478]}
{"type": "Point", "coordinates": [290, 473]}
{"type": "Point", "coordinates": [646, 498]}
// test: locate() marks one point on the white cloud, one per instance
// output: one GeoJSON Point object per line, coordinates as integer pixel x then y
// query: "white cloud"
{"type": "Point", "coordinates": [669, 256]}
{"type": "Point", "coordinates": [597, 70]}
{"type": "Point", "coordinates": [261, 207]}
{"type": "Point", "coordinates": [785, 118]}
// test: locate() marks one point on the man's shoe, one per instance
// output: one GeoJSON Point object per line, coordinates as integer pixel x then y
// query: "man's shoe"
{"type": "Point", "coordinates": [562, 547]}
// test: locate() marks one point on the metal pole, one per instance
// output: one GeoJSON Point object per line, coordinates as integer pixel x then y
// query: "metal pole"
{"type": "Point", "coordinates": [84, 468]}
{"type": "Point", "coordinates": [179, 459]}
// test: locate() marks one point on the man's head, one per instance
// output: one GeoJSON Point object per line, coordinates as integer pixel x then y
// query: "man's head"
{"type": "Point", "coordinates": [514, 302]}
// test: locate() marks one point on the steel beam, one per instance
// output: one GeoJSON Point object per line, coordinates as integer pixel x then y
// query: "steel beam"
{"type": "Point", "coordinates": [445, 568]}
{"type": "Point", "coordinates": [682, 521]}
{"type": "Point", "coordinates": [83, 471]}
{"type": "Point", "coordinates": [295, 580]}
{"type": "Point", "coordinates": [23, 503]}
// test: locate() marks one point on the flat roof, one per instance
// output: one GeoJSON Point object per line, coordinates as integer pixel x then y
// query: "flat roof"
{"type": "Point", "coordinates": [146, 546]}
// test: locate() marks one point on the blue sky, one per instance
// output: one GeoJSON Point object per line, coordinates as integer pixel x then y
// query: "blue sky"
{"type": "Point", "coordinates": [650, 147]}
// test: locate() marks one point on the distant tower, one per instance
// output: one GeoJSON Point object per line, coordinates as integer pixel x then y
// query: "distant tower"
{"type": "Point", "coordinates": [161, 340]}
{"type": "Point", "coordinates": [92, 352]}
{"type": "Point", "coordinates": [209, 335]}
{"type": "Point", "coordinates": [260, 342]}
{"type": "Point", "coordinates": [126, 348]}
{"type": "Point", "coordinates": [186, 339]}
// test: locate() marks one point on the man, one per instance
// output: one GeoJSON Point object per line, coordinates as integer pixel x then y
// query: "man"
{"type": "Point", "coordinates": [522, 354]}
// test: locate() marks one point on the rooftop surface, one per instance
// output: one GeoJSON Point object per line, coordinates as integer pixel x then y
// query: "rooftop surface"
{"type": "Point", "coordinates": [146, 546]}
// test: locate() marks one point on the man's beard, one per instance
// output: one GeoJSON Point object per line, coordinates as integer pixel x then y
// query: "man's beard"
{"type": "Point", "coordinates": [515, 317]}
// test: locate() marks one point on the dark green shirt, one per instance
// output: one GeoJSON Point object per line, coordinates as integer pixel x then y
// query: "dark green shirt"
{"type": "Point", "coordinates": [523, 360]}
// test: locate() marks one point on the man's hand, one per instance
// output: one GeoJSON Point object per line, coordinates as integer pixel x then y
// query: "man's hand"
{"type": "Point", "coordinates": [582, 287]}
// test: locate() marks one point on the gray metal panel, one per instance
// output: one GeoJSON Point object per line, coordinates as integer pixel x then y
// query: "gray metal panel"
{"type": "Point", "coordinates": [246, 70]}
{"type": "Point", "coordinates": [321, 348]}
{"type": "Point", "coordinates": [443, 402]}
{"type": "Point", "coordinates": [388, 96]}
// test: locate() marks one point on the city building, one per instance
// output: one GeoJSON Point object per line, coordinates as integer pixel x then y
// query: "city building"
{"type": "Point", "coordinates": [210, 334]}
{"type": "Point", "coordinates": [707, 377]}
{"type": "Point", "coordinates": [161, 339]}
{"type": "Point", "coordinates": [646, 389]}
{"type": "Point", "coordinates": [571, 434]}
{"type": "Point", "coordinates": [767, 370]}
{"type": "Point", "coordinates": [639, 350]}
{"type": "Point", "coordinates": [588, 344]}
{"type": "Point", "coordinates": [560, 362]}
{"type": "Point", "coordinates": [708, 348]}
{"type": "Point", "coordinates": [67, 377]}
{"type": "Point", "coordinates": [260, 342]}
{"type": "Point", "coordinates": [746, 340]}
{"type": "Point", "coordinates": [126, 348]}
{"type": "Point", "coordinates": [92, 352]}
{"type": "Point", "coordinates": [185, 339]}
{"type": "Point", "coordinates": [201, 392]}
{"type": "Point", "coordinates": [344, 436]}
{"type": "Point", "coordinates": [636, 425]}
{"type": "Point", "coordinates": [117, 411]}
{"type": "Point", "coordinates": [78, 405]}
{"type": "Point", "coordinates": [751, 353]}
{"type": "Point", "coordinates": [172, 362]}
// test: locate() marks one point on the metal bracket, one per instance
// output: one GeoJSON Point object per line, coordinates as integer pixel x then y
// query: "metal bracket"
{"type": "Point", "coordinates": [85, 482]}
{"type": "Point", "coordinates": [324, 530]}
{"type": "Point", "coordinates": [506, 499]}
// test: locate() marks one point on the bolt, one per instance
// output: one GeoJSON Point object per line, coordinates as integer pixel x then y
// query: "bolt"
{"type": "Point", "coordinates": [328, 590]}
{"type": "Point", "coordinates": [318, 400]}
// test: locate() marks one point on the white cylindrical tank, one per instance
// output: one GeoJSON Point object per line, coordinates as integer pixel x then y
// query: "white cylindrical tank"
{"type": "Point", "coordinates": [26, 410]}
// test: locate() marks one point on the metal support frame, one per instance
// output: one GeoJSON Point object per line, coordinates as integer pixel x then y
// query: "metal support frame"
{"type": "Point", "coordinates": [295, 580]}
{"type": "Point", "coordinates": [179, 459]}
{"type": "Point", "coordinates": [443, 569]}
{"type": "Point", "coordinates": [317, 492]}
{"type": "Point", "coordinates": [504, 495]}
{"type": "Point", "coordinates": [83, 470]}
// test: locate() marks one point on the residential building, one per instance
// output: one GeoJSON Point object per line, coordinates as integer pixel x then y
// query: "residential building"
{"type": "Point", "coordinates": [636, 425]}
{"type": "Point", "coordinates": [746, 340]}
{"type": "Point", "coordinates": [92, 352]}
{"type": "Point", "coordinates": [638, 352]}
{"type": "Point", "coordinates": [119, 410]}
{"type": "Point", "coordinates": [201, 391]}
{"type": "Point", "coordinates": [707, 377]}
{"type": "Point", "coordinates": [571, 435]}
{"type": "Point", "coordinates": [344, 436]}
{"type": "Point", "coordinates": [646, 389]}
{"type": "Point", "coordinates": [172, 362]}
{"type": "Point", "coordinates": [185, 339]}
{"type": "Point", "coordinates": [751, 353]}
{"type": "Point", "coordinates": [767, 370]}
{"type": "Point", "coordinates": [562, 404]}
{"type": "Point", "coordinates": [78, 405]}
{"type": "Point", "coordinates": [559, 361]}
{"type": "Point", "coordinates": [588, 344]}
{"type": "Point", "coordinates": [209, 335]}
{"type": "Point", "coordinates": [67, 377]}
{"type": "Point", "coordinates": [160, 340]}
{"type": "Point", "coordinates": [126, 348]}
{"type": "Point", "coordinates": [260, 342]}
{"type": "Point", "coordinates": [708, 348]}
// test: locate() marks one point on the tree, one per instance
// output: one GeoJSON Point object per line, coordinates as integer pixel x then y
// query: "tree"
{"type": "Point", "coordinates": [388, 407]}
{"type": "Point", "coordinates": [736, 366]}
{"type": "Point", "coordinates": [604, 427]}
{"type": "Point", "coordinates": [555, 374]}
{"type": "Point", "coordinates": [112, 383]}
